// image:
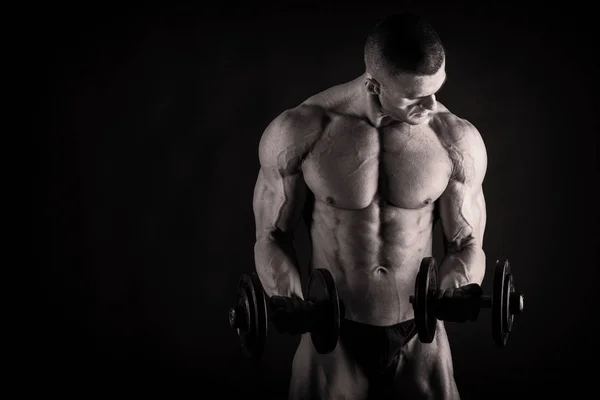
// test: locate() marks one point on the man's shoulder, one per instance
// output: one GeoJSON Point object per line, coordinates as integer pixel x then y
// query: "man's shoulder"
{"type": "Point", "coordinates": [456, 132]}
{"type": "Point", "coordinates": [297, 123]}
{"type": "Point", "coordinates": [305, 115]}
{"type": "Point", "coordinates": [293, 131]}
{"type": "Point", "coordinates": [464, 144]}
{"type": "Point", "coordinates": [314, 113]}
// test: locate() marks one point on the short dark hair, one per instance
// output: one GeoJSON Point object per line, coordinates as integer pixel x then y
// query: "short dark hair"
{"type": "Point", "coordinates": [404, 42]}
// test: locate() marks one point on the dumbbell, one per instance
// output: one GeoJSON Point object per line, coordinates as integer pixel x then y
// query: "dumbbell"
{"type": "Point", "coordinates": [505, 302]}
{"type": "Point", "coordinates": [320, 313]}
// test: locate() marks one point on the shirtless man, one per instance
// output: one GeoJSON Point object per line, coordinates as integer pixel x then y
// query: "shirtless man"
{"type": "Point", "coordinates": [372, 164]}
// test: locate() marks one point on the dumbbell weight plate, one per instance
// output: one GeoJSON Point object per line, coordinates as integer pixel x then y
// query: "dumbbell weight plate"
{"type": "Point", "coordinates": [502, 318]}
{"type": "Point", "coordinates": [322, 292]}
{"type": "Point", "coordinates": [253, 306]}
{"type": "Point", "coordinates": [423, 301]}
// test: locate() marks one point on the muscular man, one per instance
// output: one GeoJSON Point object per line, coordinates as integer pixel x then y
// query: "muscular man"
{"type": "Point", "coordinates": [372, 164]}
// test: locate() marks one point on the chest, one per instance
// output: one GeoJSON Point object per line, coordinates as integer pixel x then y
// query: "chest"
{"type": "Point", "coordinates": [353, 164]}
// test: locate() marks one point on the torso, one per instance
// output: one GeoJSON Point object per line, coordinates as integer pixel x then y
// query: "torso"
{"type": "Point", "coordinates": [372, 218]}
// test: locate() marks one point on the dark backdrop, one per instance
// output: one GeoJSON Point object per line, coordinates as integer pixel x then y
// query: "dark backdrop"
{"type": "Point", "coordinates": [148, 159]}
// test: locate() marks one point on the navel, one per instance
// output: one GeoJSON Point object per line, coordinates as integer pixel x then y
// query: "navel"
{"type": "Point", "coordinates": [427, 201]}
{"type": "Point", "coordinates": [329, 200]}
{"type": "Point", "coordinates": [380, 270]}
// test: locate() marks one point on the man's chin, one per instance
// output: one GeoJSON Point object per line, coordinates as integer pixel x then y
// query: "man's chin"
{"type": "Point", "coordinates": [417, 119]}
{"type": "Point", "coordinates": [413, 119]}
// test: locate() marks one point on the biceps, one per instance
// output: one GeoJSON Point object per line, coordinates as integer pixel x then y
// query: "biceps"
{"type": "Point", "coordinates": [278, 201]}
{"type": "Point", "coordinates": [462, 214]}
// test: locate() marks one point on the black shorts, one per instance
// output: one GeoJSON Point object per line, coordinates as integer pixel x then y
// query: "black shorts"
{"type": "Point", "coordinates": [376, 348]}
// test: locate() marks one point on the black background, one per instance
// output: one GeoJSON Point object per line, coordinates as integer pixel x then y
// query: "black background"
{"type": "Point", "coordinates": [148, 140]}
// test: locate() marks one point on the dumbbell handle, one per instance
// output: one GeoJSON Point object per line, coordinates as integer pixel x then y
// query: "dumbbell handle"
{"type": "Point", "coordinates": [485, 301]}
{"type": "Point", "coordinates": [469, 306]}
{"type": "Point", "coordinates": [303, 315]}
{"type": "Point", "coordinates": [307, 310]}
{"type": "Point", "coordinates": [480, 301]}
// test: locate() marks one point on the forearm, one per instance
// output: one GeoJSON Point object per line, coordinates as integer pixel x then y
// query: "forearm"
{"type": "Point", "coordinates": [461, 266]}
{"type": "Point", "coordinates": [277, 266]}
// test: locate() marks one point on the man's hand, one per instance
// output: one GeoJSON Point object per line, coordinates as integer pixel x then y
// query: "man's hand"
{"type": "Point", "coordinates": [459, 304]}
{"type": "Point", "coordinates": [290, 314]}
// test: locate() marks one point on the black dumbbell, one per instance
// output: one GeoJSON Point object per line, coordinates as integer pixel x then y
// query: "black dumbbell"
{"type": "Point", "coordinates": [319, 314]}
{"type": "Point", "coordinates": [505, 302]}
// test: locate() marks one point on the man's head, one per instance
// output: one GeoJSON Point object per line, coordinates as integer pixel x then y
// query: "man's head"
{"type": "Point", "coordinates": [405, 65]}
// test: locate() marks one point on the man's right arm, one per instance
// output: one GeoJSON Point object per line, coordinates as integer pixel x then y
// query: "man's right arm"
{"type": "Point", "coordinates": [279, 197]}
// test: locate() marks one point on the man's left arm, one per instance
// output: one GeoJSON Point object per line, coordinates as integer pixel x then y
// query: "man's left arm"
{"type": "Point", "coordinates": [462, 210]}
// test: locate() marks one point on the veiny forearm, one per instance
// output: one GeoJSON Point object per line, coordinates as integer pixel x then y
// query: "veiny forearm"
{"type": "Point", "coordinates": [277, 266]}
{"type": "Point", "coordinates": [461, 266]}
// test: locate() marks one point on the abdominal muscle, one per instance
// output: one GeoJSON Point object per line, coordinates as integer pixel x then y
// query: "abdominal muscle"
{"type": "Point", "coordinates": [374, 254]}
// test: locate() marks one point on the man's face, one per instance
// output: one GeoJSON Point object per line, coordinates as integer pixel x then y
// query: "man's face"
{"type": "Point", "coordinates": [411, 98]}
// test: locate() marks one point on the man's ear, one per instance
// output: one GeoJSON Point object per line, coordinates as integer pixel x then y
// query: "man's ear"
{"type": "Point", "coordinates": [373, 87]}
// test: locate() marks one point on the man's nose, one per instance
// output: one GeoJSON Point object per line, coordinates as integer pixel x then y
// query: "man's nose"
{"type": "Point", "coordinates": [429, 103]}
